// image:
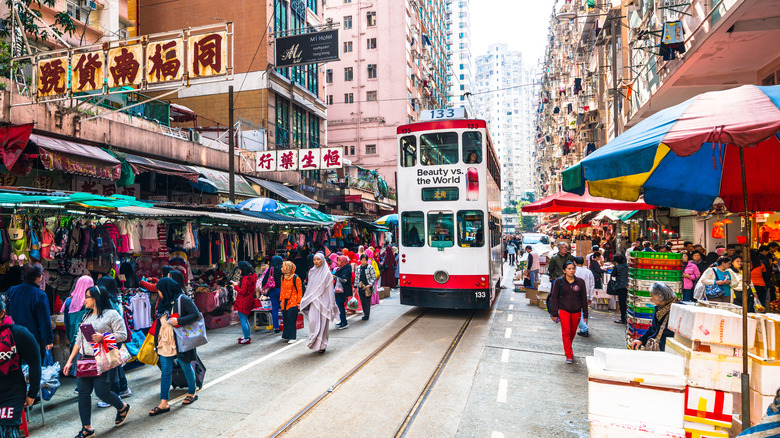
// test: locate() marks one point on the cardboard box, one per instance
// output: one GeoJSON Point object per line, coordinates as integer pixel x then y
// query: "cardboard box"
{"type": "Point", "coordinates": [712, 326]}
{"type": "Point", "coordinates": [542, 299]}
{"type": "Point", "coordinates": [708, 407]}
{"type": "Point", "coordinates": [603, 427]}
{"type": "Point", "coordinates": [707, 370]}
{"type": "Point", "coordinates": [384, 292]}
{"type": "Point", "coordinates": [703, 347]}
{"type": "Point", "coordinates": [767, 343]}
{"type": "Point", "coordinates": [764, 375]}
{"type": "Point", "coordinates": [532, 295]}
{"type": "Point", "coordinates": [214, 322]}
{"type": "Point", "coordinates": [641, 362]}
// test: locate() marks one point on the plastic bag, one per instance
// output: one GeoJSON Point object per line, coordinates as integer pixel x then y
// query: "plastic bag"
{"type": "Point", "coordinates": [352, 304]}
{"type": "Point", "coordinates": [50, 376]}
{"type": "Point", "coordinates": [107, 355]}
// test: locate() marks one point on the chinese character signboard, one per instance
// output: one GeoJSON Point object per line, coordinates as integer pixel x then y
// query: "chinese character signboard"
{"type": "Point", "coordinates": [299, 159]}
{"type": "Point", "coordinates": [124, 65]}
{"type": "Point", "coordinates": [164, 60]}
{"type": "Point", "coordinates": [52, 76]}
{"type": "Point", "coordinates": [208, 54]}
{"type": "Point", "coordinates": [87, 70]}
{"type": "Point", "coordinates": [308, 48]}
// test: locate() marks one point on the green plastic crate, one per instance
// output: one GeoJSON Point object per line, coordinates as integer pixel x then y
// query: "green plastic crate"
{"type": "Point", "coordinates": [656, 255]}
{"type": "Point", "coordinates": [657, 275]}
{"type": "Point", "coordinates": [639, 293]}
{"type": "Point", "coordinates": [636, 309]}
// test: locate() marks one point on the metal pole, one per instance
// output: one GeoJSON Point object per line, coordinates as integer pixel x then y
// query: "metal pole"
{"type": "Point", "coordinates": [231, 147]}
{"type": "Point", "coordinates": [745, 290]}
{"type": "Point", "coordinates": [618, 245]}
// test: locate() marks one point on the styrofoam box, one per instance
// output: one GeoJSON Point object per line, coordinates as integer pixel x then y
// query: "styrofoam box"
{"type": "Point", "coordinates": [713, 326]}
{"type": "Point", "coordinates": [636, 397]}
{"type": "Point", "coordinates": [707, 370]}
{"type": "Point", "coordinates": [639, 362]}
{"type": "Point", "coordinates": [758, 405]}
{"type": "Point", "coordinates": [723, 350]}
{"type": "Point", "coordinates": [700, 430]}
{"type": "Point", "coordinates": [604, 427]}
{"type": "Point", "coordinates": [764, 375]}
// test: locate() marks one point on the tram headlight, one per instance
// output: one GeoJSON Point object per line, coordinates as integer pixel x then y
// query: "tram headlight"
{"type": "Point", "coordinates": [441, 277]}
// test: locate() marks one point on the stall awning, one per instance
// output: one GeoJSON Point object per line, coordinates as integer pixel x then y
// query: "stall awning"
{"type": "Point", "coordinates": [143, 164]}
{"type": "Point", "coordinates": [570, 202]}
{"type": "Point", "coordinates": [611, 215]}
{"type": "Point", "coordinates": [71, 157]}
{"type": "Point", "coordinates": [216, 181]}
{"type": "Point", "coordinates": [218, 217]}
{"type": "Point", "coordinates": [281, 218]}
{"type": "Point", "coordinates": [287, 194]}
{"type": "Point", "coordinates": [626, 216]}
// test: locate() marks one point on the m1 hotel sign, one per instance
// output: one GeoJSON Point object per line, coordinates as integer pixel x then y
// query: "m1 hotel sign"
{"type": "Point", "coordinates": [150, 62]}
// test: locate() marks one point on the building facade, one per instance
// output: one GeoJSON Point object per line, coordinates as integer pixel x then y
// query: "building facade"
{"type": "Point", "coordinates": [461, 60]}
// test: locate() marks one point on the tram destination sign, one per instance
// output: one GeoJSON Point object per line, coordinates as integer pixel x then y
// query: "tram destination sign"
{"type": "Point", "coordinates": [308, 48]}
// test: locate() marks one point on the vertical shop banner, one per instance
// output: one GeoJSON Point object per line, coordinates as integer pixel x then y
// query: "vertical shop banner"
{"type": "Point", "coordinates": [124, 66]}
{"type": "Point", "coordinates": [87, 71]}
{"type": "Point", "coordinates": [308, 48]}
{"type": "Point", "coordinates": [165, 60]}
{"type": "Point", "coordinates": [52, 76]}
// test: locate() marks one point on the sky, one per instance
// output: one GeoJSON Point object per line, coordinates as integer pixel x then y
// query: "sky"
{"type": "Point", "coordinates": [521, 24]}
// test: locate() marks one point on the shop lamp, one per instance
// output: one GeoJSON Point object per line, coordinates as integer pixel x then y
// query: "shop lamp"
{"type": "Point", "coordinates": [727, 221]}
{"type": "Point", "coordinates": [718, 224]}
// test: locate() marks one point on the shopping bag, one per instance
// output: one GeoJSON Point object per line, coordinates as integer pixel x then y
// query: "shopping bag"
{"type": "Point", "coordinates": [192, 335]}
{"type": "Point", "coordinates": [50, 376]}
{"type": "Point", "coordinates": [108, 354]}
{"type": "Point", "coordinates": [134, 346]}
{"type": "Point", "coordinates": [352, 304]}
{"type": "Point", "coordinates": [146, 354]}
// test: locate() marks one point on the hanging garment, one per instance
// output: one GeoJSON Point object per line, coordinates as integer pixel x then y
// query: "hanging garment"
{"type": "Point", "coordinates": [673, 33]}
{"type": "Point", "coordinates": [150, 241]}
{"type": "Point", "coordinates": [142, 311]}
{"type": "Point", "coordinates": [577, 85]}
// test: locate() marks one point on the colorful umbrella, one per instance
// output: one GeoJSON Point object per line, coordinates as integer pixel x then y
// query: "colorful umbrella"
{"type": "Point", "coordinates": [259, 204]}
{"type": "Point", "coordinates": [387, 220]}
{"type": "Point", "coordinates": [688, 155]}
{"type": "Point", "coordinates": [564, 202]}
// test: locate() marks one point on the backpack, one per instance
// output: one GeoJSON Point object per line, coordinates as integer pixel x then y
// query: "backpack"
{"type": "Point", "coordinates": [9, 358]}
{"type": "Point", "coordinates": [104, 244]}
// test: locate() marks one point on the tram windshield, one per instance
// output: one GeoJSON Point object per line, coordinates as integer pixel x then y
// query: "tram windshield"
{"type": "Point", "coordinates": [438, 149]}
{"type": "Point", "coordinates": [471, 228]}
{"type": "Point", "coordinates": [472, 147]}
{"type": "Point", "coordinates": [441, 229]}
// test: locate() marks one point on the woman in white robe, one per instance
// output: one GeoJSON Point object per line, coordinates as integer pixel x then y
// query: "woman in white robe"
{"type": "Point", "coordinates": [319, 304]}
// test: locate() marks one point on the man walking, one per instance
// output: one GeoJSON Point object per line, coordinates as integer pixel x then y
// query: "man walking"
{"type": "Point", "coordinates": [590, 290]}
{"type": "Point", "coordinates": [557, 262]}
{"type": "Point", "coordinates": [533, 264]}
{"type": "Point", "coordinates": [511, 251]}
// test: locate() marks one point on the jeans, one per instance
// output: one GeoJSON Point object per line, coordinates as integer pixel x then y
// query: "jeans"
{"type": "Point", "coordinates": [245, 325]}
{"type": "Point", "coordinates": [120, 384]}
{"type": "Point", "coordinates": [102, 386]}
{"type": "Point", "coordinates": [273, 294]}
{"type": "Point", "coordinates": [534, 275]}
{"type": "Point", "coordinates": [166, 366]}
{"type": "Point", "coordinates": [511, 259]}
{"type": "Point", "coordinates": [622, 295]}
{"type": "Point", "coordinates": [583, 326]}
{"type": "Point", "coordinates": [568, 322]}
{"type": "Point", "coordinates": [341, 299]}
{"type": "Point", "coordinates": [687, 294]}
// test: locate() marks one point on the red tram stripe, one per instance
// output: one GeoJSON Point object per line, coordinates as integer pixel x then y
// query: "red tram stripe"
{"type": "Point", "coordinates": [454, 282]}
{"type": "Point", "coordinates": [441, 124]}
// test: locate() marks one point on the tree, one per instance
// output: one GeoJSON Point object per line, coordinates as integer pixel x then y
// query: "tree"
{"type": "Point", "coordinates": [526, 222]}
{"type": "Point", "coordinates": [29, 15]}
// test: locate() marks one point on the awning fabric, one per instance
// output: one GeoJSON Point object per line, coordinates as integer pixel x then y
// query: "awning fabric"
{"type": "Point", "coordinates": [144, 164]}
{"type": "Point", "coordinates": [72, 157]}
{"type": "Point", "coordinates": [611, 215]}
{"type": "Point", "coordinates": [280, 218]}
{"type": "Point", "coordinates": [222, 218]}
{"type": "Point", "coordinates": [627, 216]}
{"type": "Point", "coordinates": [307, 213]}
{"type": "Point", "coordinates": [569, 202]}
{"type": "Point", "coordinates": [286, 193]}
{"type": "Point", "coordinates": [220, 182]}
{"type": "Point", "coordinates": [79, 198]}
{"type": "Point", "coordinates": [13, 140]}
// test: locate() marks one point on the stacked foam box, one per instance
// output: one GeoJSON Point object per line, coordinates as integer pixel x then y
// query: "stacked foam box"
{"type": "Point", "coordinates": [764, 365]}
{"type": "Point", "coordinates": [708, 413]}
{"type": "Point", "coordinates": [648, 268]}
{"type": "Point", "coordinates": [635, 394]}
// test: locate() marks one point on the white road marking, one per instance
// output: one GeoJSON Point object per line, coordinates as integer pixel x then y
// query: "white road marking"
{"type": "Point", "coordinates": [505, 355]}
{"type": "Point", "coordinates": [511, 306]}
{"type": "Point", "coordinates": [495, 434]}
{"type": "Point", "coordinates": [509, 318]}
{"type": "Point", "coordinates": [508, 333]}
{"type": "Point", "coordinates": [511, 298]}
{"type": "Point", "coordinates": [503, 385]}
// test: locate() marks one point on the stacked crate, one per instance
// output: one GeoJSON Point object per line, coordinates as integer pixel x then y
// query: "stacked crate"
{"type": "Point", "coordinates": [648, 268]}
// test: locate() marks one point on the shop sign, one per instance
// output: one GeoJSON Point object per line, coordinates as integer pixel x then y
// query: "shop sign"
{"type": "Point", "coordinates": [164, 60]}
{"type": "Point", "coordinates": [47, 181]}
{"type": "Point", "coordinates": [308, 48]}
{"type": "Point", "coordinates": [369, 207]}
{"type": "Point", "coordinates": [52, 76]}
{"type": "Point", "coordinates": [103, 187]}
{"type": "Point", "coordinates": [299, 159]}
{"type": "Point", "coordinates": [208, 54]}
{"type": "Point", "coordinates": [87, 71]}
{"type": "Point", "coordinates": [124, 65]}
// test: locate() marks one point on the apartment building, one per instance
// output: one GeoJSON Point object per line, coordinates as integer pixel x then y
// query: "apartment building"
{"type": "Point", "coordinates": [460, 82]}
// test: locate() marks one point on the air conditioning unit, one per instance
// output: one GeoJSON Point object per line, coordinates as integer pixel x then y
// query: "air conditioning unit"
{"type": "Point", "coordinates": [91, 5]}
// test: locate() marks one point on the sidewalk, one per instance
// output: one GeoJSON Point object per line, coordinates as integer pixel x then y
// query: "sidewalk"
{"type": "Point", "coordinates": [523, 387]}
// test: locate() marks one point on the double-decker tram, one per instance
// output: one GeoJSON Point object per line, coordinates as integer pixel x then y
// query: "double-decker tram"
{"type": "Point", "coordinates": [449, 214]}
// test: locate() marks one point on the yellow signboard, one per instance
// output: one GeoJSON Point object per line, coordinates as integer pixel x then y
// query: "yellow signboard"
{"type": "Point", "coordinates": [52, 76]}
{"type": "Point", "coordinates": [87, 71]}
{"type": "Point", "coordinates": [208, 54]}
{"type": "Point", "coordinates": [124, 65]}
{"type": "Point", "coordinates": [165, 60]}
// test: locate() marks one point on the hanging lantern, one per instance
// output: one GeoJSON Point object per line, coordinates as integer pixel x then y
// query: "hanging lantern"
{"type": "Point", "coordinates": [727, 221]}
{"type": "Point", "coordinates": [718, 224]}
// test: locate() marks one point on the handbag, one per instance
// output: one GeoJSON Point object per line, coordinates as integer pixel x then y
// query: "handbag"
{"type": "Point", "coordinates": [86, 366]}
{"type": "Point", "coordinates": [712, 291]}
{"type": "Point", "coordinates": [192, 335]}
{"type": "Point", "coordinates": [654, 343]}
{"type": "Point", "coordinates": [146, 353]}
{"type": "Point", "coordinates": [270, 283]}
{"type": "Point", "coordinates": [108, 355]}
{"type": "Point", "coordinates": [611, 290]}
{"type": "Point", "coordinates": [16, 229]}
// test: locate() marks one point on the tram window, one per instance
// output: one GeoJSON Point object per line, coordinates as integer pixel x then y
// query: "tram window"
{"type": "Point", "coordinates": [472, 147]}
{"type": "Point", "coordinates": [439, 149]}
{"type": "Point", "coordinates": [408, 151]}
{"type": "Point", "coordinates": [441, 229]}
{"type": "Point", "coordinates": [413, 228]}
{"type": "Point", "coordinates": [471, 228]}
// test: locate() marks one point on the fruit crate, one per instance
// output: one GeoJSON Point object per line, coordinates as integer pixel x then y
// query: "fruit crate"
{"type": "Point", "coordinates": [642, 323]}
{"type": "Point", "coordinates": [647, 285]}
{"type": "Point", "coordinates": [655, 255]}
{"type": "Point", "coordinates": [640, 312]}
{"type": "Point", "coordinates": [646, 294]}
{"type": "Point", "coordinates": [641, 302]}
{"type": "Point", "coordinates": [656, 275]}
{"type": "Point", "coordinates": [651, 264]}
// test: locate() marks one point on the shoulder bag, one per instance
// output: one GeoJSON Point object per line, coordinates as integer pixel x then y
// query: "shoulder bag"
{"type": "Point", "coordinates": [270, 283]}
{"type": "Point", "coordinates": [713, 290]}
{"type": "Point", "coordinates": [192, 335]}
{"type": "Point", "coordinates": [654, 343]}
{"type": "Point", "coordinates": [611, 290]}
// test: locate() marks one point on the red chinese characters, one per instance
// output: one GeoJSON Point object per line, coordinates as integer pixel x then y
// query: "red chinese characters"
{"type": "Point", "coordinates": [309, 159]}
{"type": "Point", "coordinates": [164, 61]}
{"type": "Point", "coordinates": [124, 65]}
{"type": "Point", "coordinates": [331, 158]}
{"type": "Point", "coordinates": [288, 160]}
{"type": "Point", "coordinates": [266, 161]}
{"type": "Point", "coordinates": [52, 76]}
{"type": "Point", "coordinates": [87, 71]}
{"type": "Point", "coordinates": [207, 54]}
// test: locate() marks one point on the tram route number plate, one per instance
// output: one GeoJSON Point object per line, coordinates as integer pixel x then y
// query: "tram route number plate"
{"type": "Point", "coordinates": [444, 113]}
{"type": "Point", "coordinates": [481, 294]}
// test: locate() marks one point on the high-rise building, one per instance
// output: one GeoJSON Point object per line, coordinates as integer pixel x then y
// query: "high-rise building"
{"type": "Point", "coordinates": [504, 95]}
{"type": "Point", "coordinates": [460, 82]}
{"type": "Point", "coordinates": [393, 65]}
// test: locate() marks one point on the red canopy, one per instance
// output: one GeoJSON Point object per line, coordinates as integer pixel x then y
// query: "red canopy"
{"type": "Point", "coordinates": [565, 201]}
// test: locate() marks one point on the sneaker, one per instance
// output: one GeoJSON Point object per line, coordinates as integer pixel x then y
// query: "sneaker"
{"type": "Point", "coordinates": [126, 393]}
{"type": "Point", "coordinates": [245, 341]}
{"type": "Point", "coordinates": [342, 327]}
{"type": "Point", "coordinates": [620, 321]}
{"type": "Point", "coordinates": [292, 341]}
{"type": "Point", "coordinates": [583, 334]}
{"type": "Point", "coordinates": [102, 404]}
{"type": "Point", "coordinates": [569, 361]}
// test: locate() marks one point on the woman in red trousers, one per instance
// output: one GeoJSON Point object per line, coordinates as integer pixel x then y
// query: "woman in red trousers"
{"type": "Point", "coordinates": [567, 299]}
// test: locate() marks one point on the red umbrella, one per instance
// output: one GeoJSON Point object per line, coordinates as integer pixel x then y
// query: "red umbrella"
{"type": "Point", "coordinates": [565, 201]}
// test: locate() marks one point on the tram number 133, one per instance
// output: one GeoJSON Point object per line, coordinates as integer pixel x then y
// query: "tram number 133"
{"type": "Point", "coordinates": [481, 294]}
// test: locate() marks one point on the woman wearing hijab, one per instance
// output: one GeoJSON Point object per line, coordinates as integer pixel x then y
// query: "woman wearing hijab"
{"type": "Point", "coordinates": [245, 290]}
{"type": "Point", "coordinates": [319, 304]}
{"type": "Point", "coordinates": [290, 297]}
{"type": "Point", "coordinates": [73, 308]}
{"type": "Point", "coordinates": [343, 289]}
{"type": "Point", "coordinates": [274, 271]}
{"type": "Point", "coordinates": [174, 309]}
{"type": "Point", "coordinates": [333, 262]}
{"type": "Point", "coordinates": [119, 386]}
{"type": "Point", "coordinates": [388, 268]}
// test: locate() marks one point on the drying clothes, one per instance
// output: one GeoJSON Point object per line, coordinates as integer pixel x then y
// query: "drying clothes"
{"type": "Point", "coordinates": [141, 310]}
{"type": "Point", "coordinates": [669, 52]}
{"type": "Point", "coordinates": [673, 33]}
{"type": "Point", "coordinates": [150, 241]}
{"type": "Point", "coordinates": [590, 148]}
{"type": "Point", "coordinates": [569, 108]}
{"type": "Point", "coordinates": [577, 85]}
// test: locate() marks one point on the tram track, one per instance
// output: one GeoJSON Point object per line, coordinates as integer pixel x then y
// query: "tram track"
{"type": "Point", "coordinates": [419, 402]}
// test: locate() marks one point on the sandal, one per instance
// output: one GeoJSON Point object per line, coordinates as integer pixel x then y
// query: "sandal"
{"type": "Point", "coordinates": [190, 399]}
{"type": "Point", "coordinates": [85, 433]}
{"type": "Point", "coordinates": [121, 415]}
{"type": "Point", "coordinates": [157, 411]}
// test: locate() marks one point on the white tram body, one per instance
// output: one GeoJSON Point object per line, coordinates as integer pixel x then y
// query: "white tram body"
{"type": "Point", "coordinates": [449, 213]}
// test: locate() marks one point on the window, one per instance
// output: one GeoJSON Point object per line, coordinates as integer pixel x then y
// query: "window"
{"type": "Point", "coordinates": [352, 150]}
{"type": "Point", "coordinates": [281, 19]}
{"type": "Point", "coordinates": [371, 96]}
{"type": "Point", "coordinates": [372, 71]}
{"type": "Point", "coordinates": [371, 43]}
{"type": "Point", "coordinates": [472, 147]}
{"type": "Point", "coordinates": [408, 151]}
{"type": "Point", "coordinates": [347, 73]}
{"type": "Point", "coordinates": [440, 194]}
{"type": "Point", "coordinates": [439, 149]}
{"type": "Point", "coordinates": [348, 22]}
{"type": "Point", "coordinates": [298, 127]}
{"type": "Point", "coordinates": [412, 224]}
{"type": "Point", "coordinates": [347, 46]}
{"type": "Point", "coordinates": [348, 98]}
{"type": "Point", "coordinates": [347, 1]}
{"type": "Point", "coordinates": [282, 123]}
{"type": "Point", "coordinates": [330, 99]}
{"type": "Point", "coordinates": [371, 18]}
{"type": "Point", "coordinates": [312, 4]}
{"type": "Point", "coordinates": [441, 229]}
{"type": "Point", "coordinates": [471, 228]}
{"type": "Point", "coordinates": [329, 76]}
{"type": "Point", "coordinates": [371, 149]}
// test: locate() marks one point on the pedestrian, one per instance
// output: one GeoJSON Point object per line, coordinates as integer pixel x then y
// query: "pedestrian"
{"type": "Point", "coordinates": [73, 308]}
{"type": "Point", "coordinates": [174, 309]}
{"type": "Point", "coordinates": [119, 386]}
{"type": "Point", "coordinates": [757, 271]}
{"type": "Point", "coordinates": [595, 268]}
{"type": "Point", "coordinates": [593, 249]}
{"type": "Point", "coordinates": [245, 299]}
{"type": "Point", "coordinates": [28, 306]}
{"type": "Point", "coordinates": [716, 276]}
{"type": "Point", "coordinates": [319, 304]}
{"type": "Point", "coordinates": [698, 259]}
{"type": "Point", "coordinates": [568, 300]}
{"type": "Point", "coordinates": [690, 275]}
{"type": "Point", "coordinates": [101, 319]}
{"type": "Point", "coordinates": [275, 273]}
{"type": "Point", "coordinates": [388, 268]}
{"type": "Point", "coordinates": [636, 246]}
{"type": "Point", "coordinates": [647, 246]}
{"type": "Point", "coordinates": [366, 277]}
{"type": "Point", "coordinates": [654, 338]}
{"type": "Point", "coordinates": [558, 261]}
{"type": "Point", "coordinates": [590, 284]}
{"type": "Point", "coordinates": [736, 280]}
{"type": "Point", "coordinates": [533, 264]}
{"type": "Point", "coordinates": [511, 251]}
{"type": "Point", "coordinates": [290, 297]}
{"type": "Point", "coordinates": [620, 285]}
{"type": "Point", "coordinates": [19, 346]}
{"type": "Point", "coordinates": [343, 288]}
